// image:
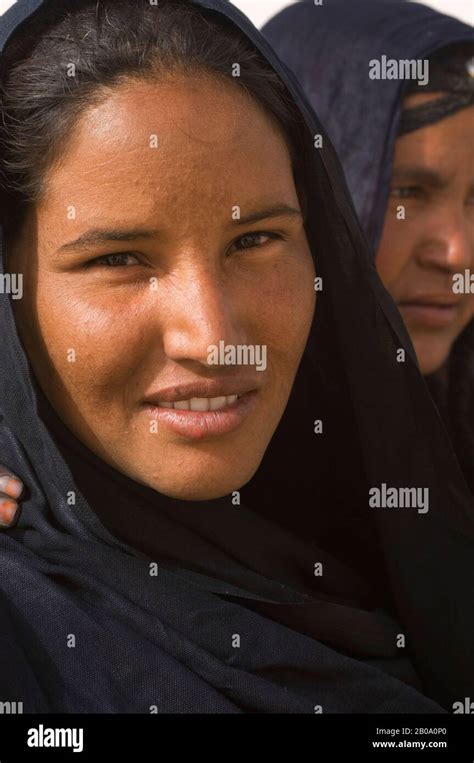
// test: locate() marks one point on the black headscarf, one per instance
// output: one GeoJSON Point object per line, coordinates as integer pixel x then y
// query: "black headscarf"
{"type": "Point", "coordinates": [329, 48]}
{"type": "Point", "coordinates": [233, 617]}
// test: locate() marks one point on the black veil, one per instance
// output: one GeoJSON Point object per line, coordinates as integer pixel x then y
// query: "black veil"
{"type": "Point", "coordinates": [331, 48]}
{"type": "Point", "coordinates": [306, 641]}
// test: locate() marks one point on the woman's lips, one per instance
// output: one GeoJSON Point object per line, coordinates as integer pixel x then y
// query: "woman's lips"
{"type": "Point", "coordinates": [201, 425]}
{"type": "Point", "coordinates": [431, 315]}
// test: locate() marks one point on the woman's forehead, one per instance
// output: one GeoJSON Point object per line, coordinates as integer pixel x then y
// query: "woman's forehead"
{"type": "Point", "coordinates": [147, 140]}
{"type": "Point", "coordinates": [445, 144]}
{"type": "Point", "coordinates": [193, 112]}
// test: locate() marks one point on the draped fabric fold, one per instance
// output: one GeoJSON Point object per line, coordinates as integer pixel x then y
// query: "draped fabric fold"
{"type": "Point", "coordinates": [293, 598]}
{"type": "Point", "coordinates": [329, 48]}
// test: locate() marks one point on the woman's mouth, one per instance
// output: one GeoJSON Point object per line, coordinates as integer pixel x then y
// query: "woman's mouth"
{"type": "Point", "coordinates": [201, 404]}
{"type": "Point", "coordinates": [431, 315]}
{"type": "Point", "coordinates": [200, 418]}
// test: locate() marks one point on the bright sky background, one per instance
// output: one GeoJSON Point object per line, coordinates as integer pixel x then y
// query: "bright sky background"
{"type": "Point", "coordinates": [261, 10]}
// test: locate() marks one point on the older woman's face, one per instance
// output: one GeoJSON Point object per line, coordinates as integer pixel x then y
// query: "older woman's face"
{"type": "Point", "coordinates": [170, 227]}
{"type": "Point", "coordinates": [433, 179]}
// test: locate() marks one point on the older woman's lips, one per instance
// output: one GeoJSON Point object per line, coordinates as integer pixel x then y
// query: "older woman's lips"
{"type": "Point", "coordinates": [189, 419]}
{"type": "Point", "coordinates": [430, 314]}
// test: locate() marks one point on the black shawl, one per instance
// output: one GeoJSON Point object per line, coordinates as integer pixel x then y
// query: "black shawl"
{"type": "Point", "coordinates": [164, 638]}
{"type": "Point", "coordinates": [328, 47]}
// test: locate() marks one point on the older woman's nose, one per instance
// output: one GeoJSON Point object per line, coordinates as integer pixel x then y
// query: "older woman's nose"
{"type": "Point", "coordinates": [450, 245]}
{"type": "Point", "coordinates": [203, 312]}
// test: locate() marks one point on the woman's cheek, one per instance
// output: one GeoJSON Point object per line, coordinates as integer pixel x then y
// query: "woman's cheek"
{"type": "Point", "coordinates": [93, 345]}
{"type": "Point", "coordinates": [288, 300]}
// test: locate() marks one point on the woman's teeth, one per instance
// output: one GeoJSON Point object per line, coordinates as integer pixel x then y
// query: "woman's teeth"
{"type": "Point", "coordinates": [201, 403]}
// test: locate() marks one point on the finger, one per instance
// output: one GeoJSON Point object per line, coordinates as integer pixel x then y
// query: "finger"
{"type": "Point", "coordinates": [8, 510]}
{"type": "Point", "coordinates": [10, 484]}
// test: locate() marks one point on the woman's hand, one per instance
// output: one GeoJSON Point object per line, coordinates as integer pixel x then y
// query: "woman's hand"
{"type": "Point", "coordinates": [11, 489]}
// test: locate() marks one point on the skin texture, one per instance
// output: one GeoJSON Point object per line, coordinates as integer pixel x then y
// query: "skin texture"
{"type": "Point", "coordinates": [217, 149]}
{"type": "Point", "coordinates": [418, 256]}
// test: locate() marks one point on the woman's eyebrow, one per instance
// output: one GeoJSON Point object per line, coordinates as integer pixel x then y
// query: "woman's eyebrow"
{"type": "Point", "coordinates": [419, 174]}
{"type": "Point", "coordinates": [102, 235]}
{"type": "Point", "coordinates": [275, 210]}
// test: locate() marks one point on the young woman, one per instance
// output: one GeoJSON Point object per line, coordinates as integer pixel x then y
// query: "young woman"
{"type": "Point", "coordinates": [238, 494]}
{"type": "Point", "coordinates": [393, 83]}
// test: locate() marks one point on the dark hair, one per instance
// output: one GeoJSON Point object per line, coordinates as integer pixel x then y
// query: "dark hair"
{"type": "Point", "coordinates": [108, 42]}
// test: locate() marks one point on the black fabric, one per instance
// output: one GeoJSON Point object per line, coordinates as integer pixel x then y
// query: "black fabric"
{"type": "Point", "coordinates": [429, 113]}
{"type": "Point", "coordinates": [329, 48]}
{"type": "Point", "coordinates": [306, 641]}
{"type": "Point", "coordinates": [451, 78]}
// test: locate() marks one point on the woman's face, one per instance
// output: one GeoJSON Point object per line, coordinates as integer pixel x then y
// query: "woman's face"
{"type": "Point", "coordinates": [136, 266]}
{"type": "Point", "coordinates": [433, 179]}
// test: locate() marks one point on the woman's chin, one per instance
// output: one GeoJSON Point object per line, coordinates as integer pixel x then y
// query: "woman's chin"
{"type": "Point", "coordinates": [196, 492]}
{"type": "Point", "coordinates": [432, 353]}
{"type": "Point", "coordinates": [199, 485]}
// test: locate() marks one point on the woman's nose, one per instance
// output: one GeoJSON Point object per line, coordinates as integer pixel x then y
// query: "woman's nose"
{"type": "Point", "coordinates": [450, 243]}
{"type": "Point", "coordinates": [201, 313]}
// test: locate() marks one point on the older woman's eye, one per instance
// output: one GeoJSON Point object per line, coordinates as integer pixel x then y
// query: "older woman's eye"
{"type": "Point", "coordinates": [407, 192]}
{"type": "Point", "coordinates": [251, 240]}
{"type": "Point", "coordinates": [120, 259]}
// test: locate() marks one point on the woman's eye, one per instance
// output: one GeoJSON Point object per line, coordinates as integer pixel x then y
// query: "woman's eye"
{"type": "Point", "coordinates": [251, 240]}
{"type": "Point", "coordinates": [407, 192]}
{"type": "Point", "coordinates": [120, 259]}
